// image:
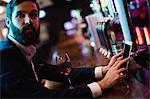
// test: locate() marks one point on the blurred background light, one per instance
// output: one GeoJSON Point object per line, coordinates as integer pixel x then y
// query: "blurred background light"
{"type": "Point", "coordinates": [92, 44]}
{"type": "Point", "coordinates": [75, 13]}
{"type": "Point", "coordinates": [2, 9]}
{"type": "Point", "coordinates": [4, 32]}
{"type": "Point", "coordinates": [7, 1]}
{"type": "Point", "coordinates": [100, 50]}
{"type": "Point", "coordinates": [85, 51]}
{"type": "Point", "coordinates": [147, 35]}
{"type": "Point", "coordinates": [139, 35]}
{"type": "Point", "coordinates": [69, 0]}
{"type": "Point", "coordinates": [131, 5]}
{"type": "Point", "coordinates": [91, 5]}
{"type": "Point", "coordinates": [45, 3]}
{"type": "Point", "coordinates": [42, 13]}
{"type": "Point", "coordinates": [108, 55]}
{"type": "Point", "coordinates": [105, 53]}
{"type": "Point", "coordinates": [68, 25]}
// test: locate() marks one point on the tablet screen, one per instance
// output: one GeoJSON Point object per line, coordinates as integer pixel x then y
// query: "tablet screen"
{"type": "Point", "coordinates": [127, 52]}
{"type": "Point", "coordinates": [127, 49]}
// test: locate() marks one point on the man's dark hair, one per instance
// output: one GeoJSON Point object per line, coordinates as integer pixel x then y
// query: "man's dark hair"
{"type": "Point", "coordinates": [10, 6]}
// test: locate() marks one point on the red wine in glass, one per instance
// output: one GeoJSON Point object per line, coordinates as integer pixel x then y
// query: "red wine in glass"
{"type": "Point", "coordinates": [65, 67]}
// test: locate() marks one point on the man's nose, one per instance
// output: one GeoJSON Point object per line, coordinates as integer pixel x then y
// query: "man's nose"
{"type": "Point", "coordinates": [27, 19]}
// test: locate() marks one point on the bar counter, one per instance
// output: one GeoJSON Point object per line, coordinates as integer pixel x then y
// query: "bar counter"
{"type": "Point", "coordinates": [136, 86]}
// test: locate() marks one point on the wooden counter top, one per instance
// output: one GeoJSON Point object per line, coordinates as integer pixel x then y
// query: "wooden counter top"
{"type": "Point", "coordinates": [138, 81]}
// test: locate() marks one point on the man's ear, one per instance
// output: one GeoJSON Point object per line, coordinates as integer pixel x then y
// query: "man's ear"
{"type": "Point", "coordinates": [8, 22]}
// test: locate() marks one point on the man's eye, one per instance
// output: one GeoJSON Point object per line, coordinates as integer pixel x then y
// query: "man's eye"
{"type": "Point", "coordinates": [33, 15]}
{"type": "Point", "coordinates": [21, 15]}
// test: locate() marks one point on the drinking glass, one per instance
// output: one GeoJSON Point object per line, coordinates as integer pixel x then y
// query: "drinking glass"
{"type": "Point", "coordinates": [64, 64]}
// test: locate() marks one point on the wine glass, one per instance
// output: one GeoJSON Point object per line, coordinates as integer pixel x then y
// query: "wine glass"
{"type": "Point", "coordinates": [64, 64]}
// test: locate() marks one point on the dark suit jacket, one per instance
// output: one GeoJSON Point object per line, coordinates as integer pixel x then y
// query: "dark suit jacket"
{"type": "Point", "coordinates": [18, 79]}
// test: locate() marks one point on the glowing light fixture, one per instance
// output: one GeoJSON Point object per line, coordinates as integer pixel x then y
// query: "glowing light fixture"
{"type": "Point", "coordinates": [108, 55]}
{"type": "Point", "coordinates": [4, 32]}
{"type": "Point", "coordinates": [91, 5]}
{"type": "Point", "coordinates": [105, 53]}
{"type": "Point", "coordinates": [42, 13]}
{"type": "Point", "coordinates": [85, 51]}
{"type": "Point", "coordinates": [139, 36]}
{"type": "Point", "coordinates": [68, 25]}
{"type": "Point", "coordinates": [7, 1]}
{"type": "Point", "coordinates": [131, 5]}
{"type": "Point", "coordinates": [2, 9]}
{"type": "Point", "coordinates": [100, 50]}
{"type": "Point", "coordinates": [75, 13]}
{"type": "Point", "coordinates": [137, 42]}
{"type": "Point", "coordinates": [147, 35]}
{"type": "Point", "coordinates": [92, 44]}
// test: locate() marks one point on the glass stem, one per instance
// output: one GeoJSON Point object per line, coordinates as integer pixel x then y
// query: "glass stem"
{"type": "Point", "coordinates": [70, 84]}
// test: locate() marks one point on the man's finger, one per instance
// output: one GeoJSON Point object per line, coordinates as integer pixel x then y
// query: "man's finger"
{"type": "Point", "coordinates": [120, 58]}
{"type": "Point", "coordinates": [119, 54]}
{"type": "Point", "coordinates": [121, 70]}
{"type": "Point", "coordinates": [115, 64]}
{"type": "Point", "coordinates": [122, 62]}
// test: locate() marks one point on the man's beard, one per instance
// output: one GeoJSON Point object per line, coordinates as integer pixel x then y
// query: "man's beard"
{"type": "Point", "coordinates": [28, 35]}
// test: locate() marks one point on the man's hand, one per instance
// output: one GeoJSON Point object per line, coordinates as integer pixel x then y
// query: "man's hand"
{"type": "Point", "coordinates": [115, 58]}
{"type": "Point", "coordinates": [105, 69]}
{"type": "Point", "coordinates": [113, 75]}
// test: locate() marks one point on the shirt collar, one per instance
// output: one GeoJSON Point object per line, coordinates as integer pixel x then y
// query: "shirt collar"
{"type": "Point", "coordinates": [28, 51]}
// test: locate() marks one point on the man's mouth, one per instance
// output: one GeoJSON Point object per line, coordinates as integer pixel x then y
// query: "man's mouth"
{"type": "Point", "coordinates": [29, 34]}
{"type": "Point", "coordinates": [28, 30]}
